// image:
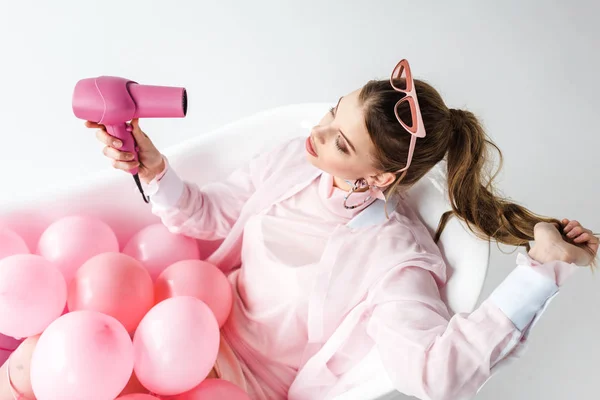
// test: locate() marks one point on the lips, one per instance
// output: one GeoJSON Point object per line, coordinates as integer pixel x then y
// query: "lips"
{"type": "Point", "coordinates": [310, 148]}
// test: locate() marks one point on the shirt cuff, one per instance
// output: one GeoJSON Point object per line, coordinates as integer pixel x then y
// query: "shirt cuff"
{"type": "Point", "coordinates": [523, 294]}
{"type": "Point", "coordinates": [165, 189]}
{"type": "Point", "coordinates": [557, 271]}
{"type": "Point", "coordinates": [164, 171]}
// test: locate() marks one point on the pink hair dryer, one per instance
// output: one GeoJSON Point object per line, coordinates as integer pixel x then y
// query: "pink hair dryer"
{"type": "Point", "coordinates": [113, 101]}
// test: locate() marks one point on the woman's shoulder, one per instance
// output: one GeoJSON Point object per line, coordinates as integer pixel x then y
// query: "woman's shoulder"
{"type": "Point", "coordinates": [397, 243]}
{"type": "Point", "coordinates": [288, 148]}
{"type": "Point", "coordinates": [404, 221]}
{"type": "Point", "coordinates": [283, 155]}
{"type": "Point", "coordinates": [405, 233]}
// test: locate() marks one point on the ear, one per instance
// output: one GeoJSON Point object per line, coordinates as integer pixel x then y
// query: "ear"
{"type": "Point", "coordinates": [382, 180]}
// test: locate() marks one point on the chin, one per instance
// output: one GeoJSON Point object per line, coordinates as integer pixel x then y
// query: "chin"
{"type": "Point", "coordinates": [317, 163]}
{"type": "Point", "coordinates": [311, 159]}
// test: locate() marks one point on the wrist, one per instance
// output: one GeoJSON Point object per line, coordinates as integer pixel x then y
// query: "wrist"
{"type": "Point", "coordinates": [545, 254]}
{"type": "Point", "coordinates": [151, 173]}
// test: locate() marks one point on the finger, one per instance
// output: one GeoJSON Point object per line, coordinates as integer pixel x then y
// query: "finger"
{"type": "Point", "coordinates": [583, 238]}
{"type": "Point", "coordinates": [572, 224]}
{"type": "Point", "coordinates": [589, 240]}
{"type": "Point", "coordinates": [107, 139]}
{"type": "Point", "coordinates": [578, 230]}
{"type": "Point", "coordinates": [564, 221]}
{"type": "Point", "coordinates": [139, 135]}
{"type": "Point", "coordinates": [92, 124]}
{"type": "Point", "coordinates": [125, 165]}
{"type": "Point", "coordinates": [117, 155]}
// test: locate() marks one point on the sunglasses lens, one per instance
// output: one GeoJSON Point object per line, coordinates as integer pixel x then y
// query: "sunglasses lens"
{"type": "Point", "coordinates": [399, 77]}
{"type": "Point", "coordinates": [405, 113]}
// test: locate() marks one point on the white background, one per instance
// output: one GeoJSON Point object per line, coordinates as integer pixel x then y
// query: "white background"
{"type": "Point", "coordinates": [527, 68]}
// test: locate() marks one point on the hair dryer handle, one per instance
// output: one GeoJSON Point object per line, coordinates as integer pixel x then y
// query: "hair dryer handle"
{"type": "Point", "coordinates": [123, 133]}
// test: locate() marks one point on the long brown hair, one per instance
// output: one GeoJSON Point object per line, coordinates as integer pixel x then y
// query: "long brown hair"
{"type": "Point", "coordinates": [457, 136]}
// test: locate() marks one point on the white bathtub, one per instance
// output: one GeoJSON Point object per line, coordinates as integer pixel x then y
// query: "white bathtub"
{"type": "Point", "coordinates": [114, 197]}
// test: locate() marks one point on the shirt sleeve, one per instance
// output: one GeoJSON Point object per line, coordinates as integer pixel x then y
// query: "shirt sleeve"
{"type": "Point", "coordinates": [433, 356]}
{"type": "Point", "coordinates": [208, 212]}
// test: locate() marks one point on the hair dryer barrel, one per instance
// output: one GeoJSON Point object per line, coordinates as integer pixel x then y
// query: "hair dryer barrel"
{"type": "Point", "coordinates": [158, 101]}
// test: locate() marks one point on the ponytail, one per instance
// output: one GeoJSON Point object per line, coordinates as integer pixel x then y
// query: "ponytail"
{"type": "Point", "coordinates": [471, 192]}
{"type": "Point", "coordinates": [458, 137]}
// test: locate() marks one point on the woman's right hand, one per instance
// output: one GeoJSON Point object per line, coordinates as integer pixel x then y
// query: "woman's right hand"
{"type": "Point", "coordinates": [151, 162]}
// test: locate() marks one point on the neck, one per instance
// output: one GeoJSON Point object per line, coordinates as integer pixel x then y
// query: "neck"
{"type": "Point", "coordinates": [341, 184]}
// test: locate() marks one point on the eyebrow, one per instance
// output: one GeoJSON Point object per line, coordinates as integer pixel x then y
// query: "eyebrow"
{"type": "Point", "coordinates": [345, 137]}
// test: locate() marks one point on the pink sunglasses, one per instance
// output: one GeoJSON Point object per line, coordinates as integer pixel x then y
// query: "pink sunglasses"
{"type": "Point", "coordinates": [416, 128]}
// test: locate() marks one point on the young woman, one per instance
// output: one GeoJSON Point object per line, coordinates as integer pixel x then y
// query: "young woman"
{"type": "Point", "coordinates": [314, 294]}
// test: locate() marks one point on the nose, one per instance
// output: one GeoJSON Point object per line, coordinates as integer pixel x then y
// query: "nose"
{"type": "Point", "coordinates": [318, 132]}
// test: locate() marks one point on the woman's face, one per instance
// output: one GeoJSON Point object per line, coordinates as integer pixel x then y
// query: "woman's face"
{"type": "Point", "coordinates": [341, 145]}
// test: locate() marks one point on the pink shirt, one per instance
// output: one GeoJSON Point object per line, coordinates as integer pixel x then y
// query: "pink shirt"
{"type": "Point", "coordinates": [279, 266]}
{"type": "Point", "coordinates": [299, 332]}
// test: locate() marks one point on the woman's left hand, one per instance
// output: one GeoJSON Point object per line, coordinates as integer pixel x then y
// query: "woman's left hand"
{"type": "Point", "coordinates": [580, 236]}
{"type": "Point", "coordinates": [580, 248]}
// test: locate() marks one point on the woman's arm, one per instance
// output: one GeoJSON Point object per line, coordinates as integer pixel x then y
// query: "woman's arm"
{"type": "Point", "coordinates": [203, 213]}
{"type": "Point", "coordinates": [208, 212]}
{"type": "Point", "coordinates": [432, 356]}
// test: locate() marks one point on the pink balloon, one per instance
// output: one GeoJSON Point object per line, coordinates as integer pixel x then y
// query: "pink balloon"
{"type": "Point", "coordinates": [82, 355]}
{"type": "Point", "coordinates": [197, 279]}
{"type": "Point", "coordinates": [176, 345]}
{"type": "Point", "coordinates": [33, 293]}
{"type": "Point", "coordinates": [157, 248]}
{"type": "Point", "coordinates": [7, 346]}
{"type": "Point", "coordinates": [11, 243]}
{"type": "Point", "coordinates": [213, 389]}
{"type": "Point", "coordinates": [71, 241]}
{"type": "Point", "coordinates": [114, 284]}
{"type": "Point", "coordinates": [138, 396]}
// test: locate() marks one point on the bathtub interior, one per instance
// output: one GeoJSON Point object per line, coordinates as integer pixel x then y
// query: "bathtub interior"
{"type": "Point", "coordinates": [113, 196]}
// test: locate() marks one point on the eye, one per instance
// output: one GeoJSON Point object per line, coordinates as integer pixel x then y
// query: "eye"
{"type": "Point", "coordinates": [332, 111]}
{"type": "Point", "coordinates": [341, 146]}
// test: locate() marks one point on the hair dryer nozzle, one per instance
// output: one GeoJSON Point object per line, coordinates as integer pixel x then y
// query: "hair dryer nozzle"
{"type": "Point", "coordinates": [159, 101]}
